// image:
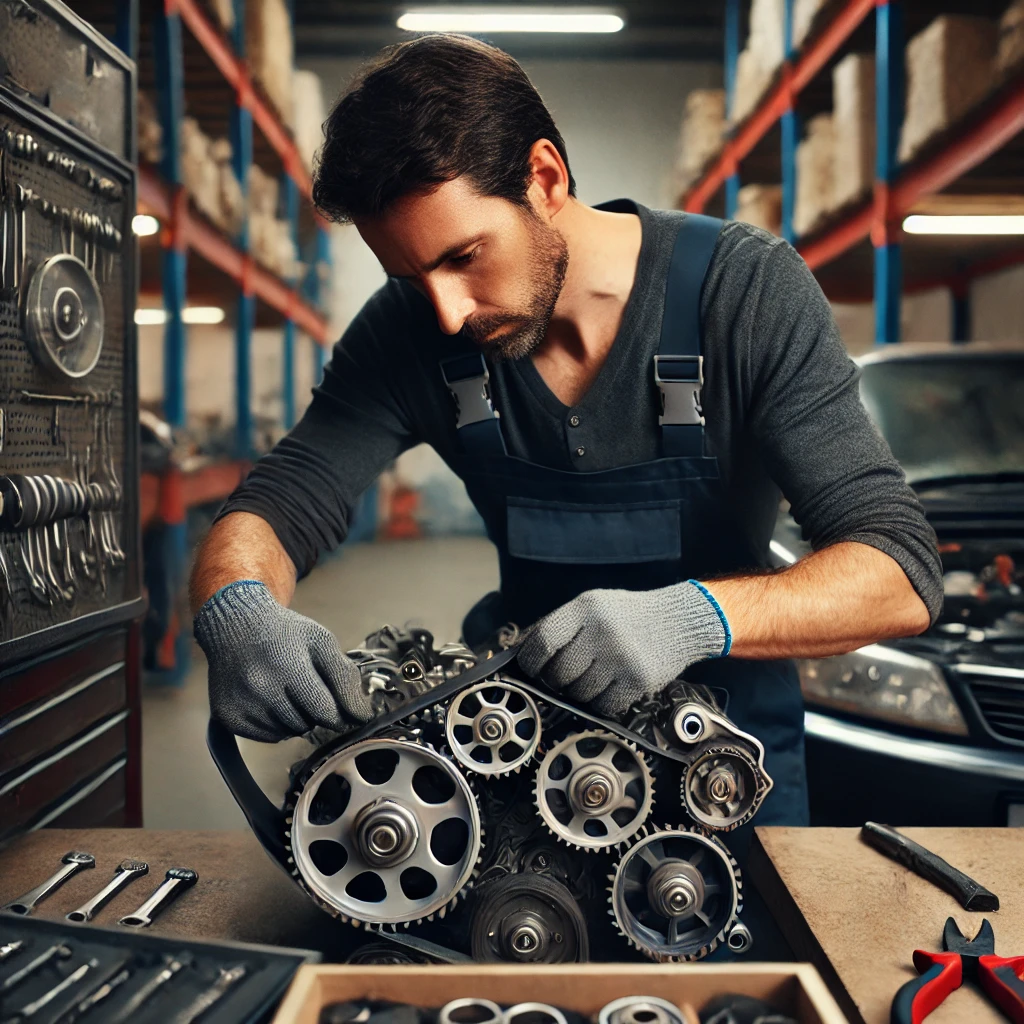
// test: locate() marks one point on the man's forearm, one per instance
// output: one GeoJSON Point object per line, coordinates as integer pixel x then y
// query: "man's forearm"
{"type": "Point", "coordinates": [241, 546]}
{"type": "Point", "coordinates": [831, 602]}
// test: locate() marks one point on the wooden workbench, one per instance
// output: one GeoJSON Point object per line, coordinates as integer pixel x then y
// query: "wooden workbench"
{"type": "Point", "coordinates": [858, 916]}
{"type": "Point", "coordinates": [241, 894]}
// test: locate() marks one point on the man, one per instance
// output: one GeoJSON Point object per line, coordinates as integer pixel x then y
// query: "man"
{"type": "Point", "coordinates": [554, 354]}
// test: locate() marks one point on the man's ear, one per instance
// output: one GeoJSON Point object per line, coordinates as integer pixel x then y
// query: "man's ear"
{"type": "Point", "coordinates": [548, 190]}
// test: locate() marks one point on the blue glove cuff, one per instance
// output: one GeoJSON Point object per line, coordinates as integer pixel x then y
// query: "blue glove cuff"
{"type": "Point", "coordinates": [727, 647]}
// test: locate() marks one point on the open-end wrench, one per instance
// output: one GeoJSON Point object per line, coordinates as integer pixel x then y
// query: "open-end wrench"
{"type": "Point", "coordinates": [217, 991]}
{"type": "Point", "coordinates": [149, 989]}
{"type": "Point", "coordinates": [31, 1009]}
{"type": "Point", "coordinates": [95, 997]}
{"type": "Point", "coordinates": [127, 871]}
{"type": "Point", "coordinates": [8, 949]}
{"type": "Point", "coordinates": [175, 882]}
{"type": "Point", "coordinates": [58, 952]}
{"type": "Point", "coordinates": [73, 863]}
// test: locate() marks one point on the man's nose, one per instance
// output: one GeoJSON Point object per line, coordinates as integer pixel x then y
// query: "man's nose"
{"type": "Point", "coordinates": [452, 306]}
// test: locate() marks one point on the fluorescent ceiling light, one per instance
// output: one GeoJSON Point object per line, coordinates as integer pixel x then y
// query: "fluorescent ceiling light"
{"type": "Point", "coordinates": [151, 317]}
{"type": "Point", "coordinates": [202, 315]}
{"type": "Point", "coordinates": [964, 224]}
{"type": "Point", "coordinates": [510, 19]}
{"type": "Point", "coordinates": [143, 224]}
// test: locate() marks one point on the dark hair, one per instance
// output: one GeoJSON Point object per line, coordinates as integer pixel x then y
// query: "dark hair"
{"type": "Point", "coordinates": [426, 112]}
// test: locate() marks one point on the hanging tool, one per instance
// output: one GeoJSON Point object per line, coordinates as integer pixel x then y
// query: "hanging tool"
{"type": "Point", "coordinates": [73, 863]}
{"type": "Point", "coordinates": [962, 960]}
{"type": "Point", "coordinates": [175, 882]}
{"type": "Point", "coordinates": [127, 871]}
{"type": "Point", "coordinates": [970, 894]}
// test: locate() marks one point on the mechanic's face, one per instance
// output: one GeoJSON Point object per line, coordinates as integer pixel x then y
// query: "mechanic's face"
{"type": "Point", "coordinates": [492, 270]}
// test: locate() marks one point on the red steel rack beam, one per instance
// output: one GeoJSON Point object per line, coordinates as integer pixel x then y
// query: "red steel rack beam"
{"type": "Point", "coordinates": [825, 248]}
{"type": "Point", "coordinates": [237, 76]}
{"type": "Point", "coordinates": [156, 199]}
{"type": "Point", "coordinates": [794, 78]}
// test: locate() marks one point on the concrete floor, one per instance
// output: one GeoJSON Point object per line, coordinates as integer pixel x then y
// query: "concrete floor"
{"type": "Point", "coordinates": [428, 582]}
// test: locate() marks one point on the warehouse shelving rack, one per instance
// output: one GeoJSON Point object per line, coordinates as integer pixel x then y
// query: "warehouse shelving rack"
{"type": "Point", "coordinates": [831, 252]}
{"type": "Point", "coordinates": [161, 194]}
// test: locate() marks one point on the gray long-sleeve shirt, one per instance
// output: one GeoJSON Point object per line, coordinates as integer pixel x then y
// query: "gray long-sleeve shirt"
{"type": "Point", "coordinates": [780, 399]}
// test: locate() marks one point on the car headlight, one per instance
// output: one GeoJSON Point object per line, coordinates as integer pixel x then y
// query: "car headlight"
{"type": "Point", "coordinates": [882, 682]}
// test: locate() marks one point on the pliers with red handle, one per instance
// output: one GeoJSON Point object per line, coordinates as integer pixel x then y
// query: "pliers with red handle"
{"type": "Point", "coordinates": [962, 960]}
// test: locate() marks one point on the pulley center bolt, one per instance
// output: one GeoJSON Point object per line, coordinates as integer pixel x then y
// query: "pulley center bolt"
{"type": "Point", "coordinates": [592, 790]}
{"type": "Point", "coordinates": [493, 727]}
{"type": "Point", "coordinates": [675, 889]}
{"type": "Point", "coordinates": [387, 833]}
{"type": "Point", "coordinates": [526, 937]}
{"type": "Point", "coordinates": [722, 784]}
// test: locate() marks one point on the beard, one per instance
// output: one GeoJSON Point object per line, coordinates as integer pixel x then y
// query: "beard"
{"type": "Point", "coordinates": [517, 334]}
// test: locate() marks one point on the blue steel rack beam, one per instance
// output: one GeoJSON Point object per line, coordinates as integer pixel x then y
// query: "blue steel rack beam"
{"type": "Point", "coordinates": [885, 235]}
{"type": "Point", "coordinates": [170, 78]}
{"type": "Point", "coordinates": [241, 157]}
{"type": "Point", "coordinates": [732, 53]}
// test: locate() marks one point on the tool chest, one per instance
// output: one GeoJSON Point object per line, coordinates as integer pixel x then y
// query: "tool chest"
{"type": "Point", "coordinates": [70, 582]}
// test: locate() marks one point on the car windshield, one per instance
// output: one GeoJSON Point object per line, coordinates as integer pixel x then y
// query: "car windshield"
{"type": "Point", "coordinates": [950, 416]}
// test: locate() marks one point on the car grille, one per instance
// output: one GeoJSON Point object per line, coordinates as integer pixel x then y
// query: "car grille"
{"type": "Point", "coordinates": [1001, 703]}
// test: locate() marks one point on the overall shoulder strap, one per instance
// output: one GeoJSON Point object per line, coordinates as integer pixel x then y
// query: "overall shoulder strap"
{"type": "Point", "coordinates": [679, 364]}
{"type": "Point", "coordinates": [476, 420]}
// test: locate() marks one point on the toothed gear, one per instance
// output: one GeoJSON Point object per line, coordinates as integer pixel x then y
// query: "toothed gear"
{"type": "Point", "coordinates": [493, 728]}
{"type": "Point", "coordinates": [594, 790]}
{"type": "Point", "coordinates": [722, 788]}
{"type": "Point", "coordinates": [675, 894]}
{"type": "Point", "coordinates": [527, 919]}
{"type": "Point", "coordinates": [385, 832]}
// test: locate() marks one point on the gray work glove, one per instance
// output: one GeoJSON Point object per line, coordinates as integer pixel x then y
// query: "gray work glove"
{"type": "Point", "coordinates": [611, 648]}
{"type": "Point", "coordinates": [275, 673]}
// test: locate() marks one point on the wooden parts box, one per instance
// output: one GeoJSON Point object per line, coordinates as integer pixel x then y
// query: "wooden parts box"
{"type": "Point", "coordinates": [795, 989]}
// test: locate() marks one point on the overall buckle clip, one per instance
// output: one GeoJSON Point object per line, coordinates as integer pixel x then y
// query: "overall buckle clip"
{"type": "Point", "coordinates": [680, 380]}
{"type": "Point", "coordinates": [472, 399]}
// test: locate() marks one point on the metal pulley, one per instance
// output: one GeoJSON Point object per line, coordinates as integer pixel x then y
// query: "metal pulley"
{"type": "Point", "coordinates": [64, 317]}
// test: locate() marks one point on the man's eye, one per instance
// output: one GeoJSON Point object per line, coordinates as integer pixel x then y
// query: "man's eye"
{"type": "Point", "coordinates": [465, 258]}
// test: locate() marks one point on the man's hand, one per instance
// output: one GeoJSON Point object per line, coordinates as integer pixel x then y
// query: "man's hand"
{"type": "Point", "coordinates": [610, 648]}
{"type": "Point", "coordinates": [275, 673]}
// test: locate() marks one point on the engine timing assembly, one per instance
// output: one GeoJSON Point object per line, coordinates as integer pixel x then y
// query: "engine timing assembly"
{"type": "Point", "coordinates": [385, 827]}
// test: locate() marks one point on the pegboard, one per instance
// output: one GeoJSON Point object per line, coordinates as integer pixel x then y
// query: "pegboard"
{"type": "Point", "coordinates": [63, 196]}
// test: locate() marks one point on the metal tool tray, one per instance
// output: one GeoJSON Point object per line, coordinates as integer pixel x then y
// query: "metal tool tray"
{"type": "Point", "coordinates": [250, 1001]}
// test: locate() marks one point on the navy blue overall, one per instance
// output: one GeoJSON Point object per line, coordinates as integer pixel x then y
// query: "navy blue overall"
{"type": "Point", "coordinates": [639, 527]}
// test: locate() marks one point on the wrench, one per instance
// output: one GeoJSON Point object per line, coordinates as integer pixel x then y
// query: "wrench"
{"type": "Point", "coordinates": [73, 863]}
{"type": "Point", "coordinates": [127, 871]}
{"type": "Point", "coordinates": [176, 881]}
{"type": "Point", "coordinates": [10, 948]}
{"type": "Point", "coordinates": [96, 996]}
{"type": "Point", "coordinates": [217, 991]}
{"type": "Point", "coordinates": [149, 989]}
{"type": "Point", "coordinates": [58, 952]}
{"type": "Point", "coordinates": [31, 1009]}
